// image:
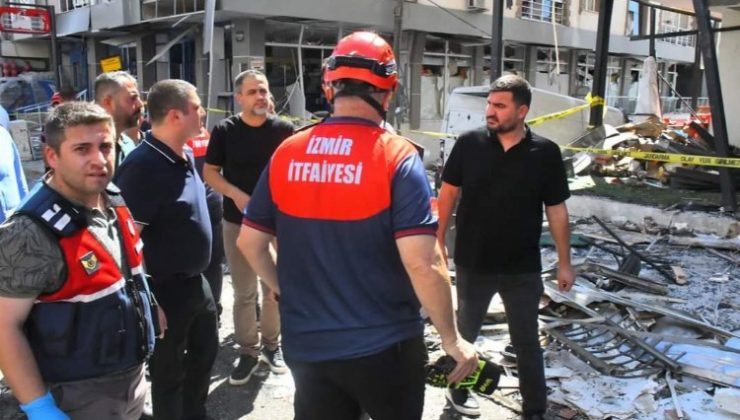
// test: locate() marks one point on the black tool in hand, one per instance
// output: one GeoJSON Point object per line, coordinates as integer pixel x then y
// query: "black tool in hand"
{"type": "Point", "coordinates": [483, 380]}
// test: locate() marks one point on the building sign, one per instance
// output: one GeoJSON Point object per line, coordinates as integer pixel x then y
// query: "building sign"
{"type": "Point", "coordinates": [111, 64]}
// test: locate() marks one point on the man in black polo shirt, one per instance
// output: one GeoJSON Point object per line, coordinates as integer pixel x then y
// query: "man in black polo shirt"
{"type": "Point", "coordinates": [168, 201]}
{"type": "Point", "coordinates": [505, 173]}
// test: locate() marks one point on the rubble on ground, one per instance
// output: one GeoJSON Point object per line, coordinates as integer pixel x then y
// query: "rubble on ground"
{"type": "Point", "coordinates": [652, 135]}
{"type": "Point", "coordinates": [651, 329]}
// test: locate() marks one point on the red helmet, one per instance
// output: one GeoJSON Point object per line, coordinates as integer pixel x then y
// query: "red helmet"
{"type": "Point", "coordinates": [363, 56]}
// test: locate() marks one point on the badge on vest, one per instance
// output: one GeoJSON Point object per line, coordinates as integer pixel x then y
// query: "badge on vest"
{"type": "Point", "coordinates": [90, 263]}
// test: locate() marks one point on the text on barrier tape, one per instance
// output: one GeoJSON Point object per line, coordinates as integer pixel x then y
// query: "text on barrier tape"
{"type": "Point", "coordinates": [723, 162]}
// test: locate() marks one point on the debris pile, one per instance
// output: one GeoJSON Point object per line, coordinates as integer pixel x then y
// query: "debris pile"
{"type": "Point", "coordinates": [650, 330]}
{"type": "Point", "coordinates": [653, 136]}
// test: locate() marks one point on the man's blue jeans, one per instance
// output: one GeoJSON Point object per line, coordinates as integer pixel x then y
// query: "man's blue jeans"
{"type": "Point", "coordinates": [521, 296]}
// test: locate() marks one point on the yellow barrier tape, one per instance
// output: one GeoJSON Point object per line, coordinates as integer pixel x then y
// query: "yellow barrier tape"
{"type": "Point", "coordinates": [590, 102]}
{"type": "Point", "coordinates": [222, 111]}
{"type": "Point", "coordinates": [434, 134]}
{"type": "Point", "coordinates": [722, 162]}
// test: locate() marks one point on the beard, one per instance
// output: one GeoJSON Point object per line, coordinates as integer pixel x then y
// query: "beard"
{"type": "Point", "coordinates": [131, 120]}
{"type": "Point", "coordinates": [259, 111]}
{"type": "Point", "coordinates": [502, 127]}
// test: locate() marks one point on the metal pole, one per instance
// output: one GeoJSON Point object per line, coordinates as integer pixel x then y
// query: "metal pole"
{"type": "Point", "coordinates": [714, 88]}
{"type": "Point", "coordinates": [397, 32]}
{"type": "Point", "coordinates": [300, 68]}
{"type": "Point", "coordinates": [696, 75]}
{"type": "Point", "coordinates": [497, 39]}
{"type": "Point", "coordinates": [653, 18]}
{"type": "Point", "coordinates": [54, 49]}
{"type": "Point", "coordinates": [598, 87]}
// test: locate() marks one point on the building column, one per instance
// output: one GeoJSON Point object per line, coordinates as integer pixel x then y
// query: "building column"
{"type": "Point", "coordinates": [479, 53]}
{"type": "Point", "coordinates": [146, 48]}
{"type": "Point", "coordinates": [573, 76]}
{"type": "Point", "coordinates": [95, 52]}
{"type": "Point", "coordinates": [201, 67]}
{"type": "Point", "coordinates": [247, 45]}
{"type": "Point", "coordinates": [216, 83]}
{"type": "Point", "coordinates": [417, 44]}
{"type": "Point", "coordinates": [530, 64]}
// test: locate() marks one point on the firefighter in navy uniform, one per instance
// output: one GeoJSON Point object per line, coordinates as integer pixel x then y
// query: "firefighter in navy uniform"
{"type": "Point", "coordinates": [350, 206]}
{"type": "Point", "coordinates": [76, 320]}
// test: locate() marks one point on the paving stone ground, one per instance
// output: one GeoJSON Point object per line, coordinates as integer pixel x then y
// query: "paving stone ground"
{"type": "Point", "coordinates": [266, 396]}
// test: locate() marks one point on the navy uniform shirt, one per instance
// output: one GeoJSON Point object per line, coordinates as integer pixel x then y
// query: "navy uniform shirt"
{"type": "Point", "coordinates": [166, 195]}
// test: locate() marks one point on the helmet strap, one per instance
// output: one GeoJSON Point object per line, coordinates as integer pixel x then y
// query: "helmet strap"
{"type": "Point", "coordinates": [365, 96]}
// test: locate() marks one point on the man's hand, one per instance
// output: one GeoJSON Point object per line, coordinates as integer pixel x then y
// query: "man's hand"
{"type": "Point", "coordinates": [442, 248]}
{"type": "Point", "coordinates": [566, 277]}
{"type": "Point", "coordinates": [241, 199]}
{"type": "Point", "coordinates": [162, 319]}
{"type": "Point", "coordinates": [465, 356]}
{"type": "Point", "coordinates": [273, 296]}
{"type": "Point", "coordinates": [270, 294]}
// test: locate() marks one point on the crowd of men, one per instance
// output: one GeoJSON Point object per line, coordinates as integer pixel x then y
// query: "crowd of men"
{"type": "Point", "coordinates": [122, 242]}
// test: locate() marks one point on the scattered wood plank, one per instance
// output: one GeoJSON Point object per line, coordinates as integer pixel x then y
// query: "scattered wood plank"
{"type": "Point", "coordinates": [674, 396]}
{"type": "Point", "coordinates": [680, 275]}
{"type": "Point", "coordinates": [705, 242]}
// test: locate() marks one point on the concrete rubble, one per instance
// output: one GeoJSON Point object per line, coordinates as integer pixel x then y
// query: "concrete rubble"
{"type": "Point", "coordinates": [694, 324]}
{"type": "Point", "coordinates": [689, 335]}
{"type": "Point", "coordinates": [646, 343]}
{"type": "Point", "coordinates": [688, 138]}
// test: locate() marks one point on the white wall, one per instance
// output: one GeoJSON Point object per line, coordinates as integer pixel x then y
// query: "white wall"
{"type": "Point", "coordinates": [463, 5]}
{"type": "Point", "coordinates": [590, 20]}
{"type": "Point", "coordinates": [36, 49]}
{"type": "Point", "coordinates": [728, 57]}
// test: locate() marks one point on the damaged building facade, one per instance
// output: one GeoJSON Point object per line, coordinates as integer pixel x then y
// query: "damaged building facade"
{"type": "Point", "coordinates": [445, 44]}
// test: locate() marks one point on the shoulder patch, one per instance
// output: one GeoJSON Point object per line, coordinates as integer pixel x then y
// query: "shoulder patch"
{"type": "Point", "coordinates": [90, 263]}
{"type": "Point", "coordinates": [50, 209]}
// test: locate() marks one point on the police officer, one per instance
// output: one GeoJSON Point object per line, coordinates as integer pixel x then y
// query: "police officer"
{"type": "Point", "coordinates": [75, 312]}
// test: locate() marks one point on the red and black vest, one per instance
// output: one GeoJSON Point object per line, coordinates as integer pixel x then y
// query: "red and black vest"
{"type": "Point", "coordinates": [100, 321]}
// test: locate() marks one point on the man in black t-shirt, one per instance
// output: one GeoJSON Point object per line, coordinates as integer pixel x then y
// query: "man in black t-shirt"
{"type": "Point", "coordinates": [505, 173]}
{"type": "Point", "coordinates": [239, 149]}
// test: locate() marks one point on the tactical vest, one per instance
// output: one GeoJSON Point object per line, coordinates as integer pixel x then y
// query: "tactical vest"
{"type": "Point", "coordinates": [100, 321]}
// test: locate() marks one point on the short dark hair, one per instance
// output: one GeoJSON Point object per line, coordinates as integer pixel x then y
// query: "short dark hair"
{"type": "Point", "coordinates": [109, 83]}
{"type": "Point", "coordinates": [247, 74]}
{"type": "Point", "coordinates": [517, 85]}
{"type": "Point", "coordinates": [167, 95]}
{"type": "Point", "coordinates": [72, 114]}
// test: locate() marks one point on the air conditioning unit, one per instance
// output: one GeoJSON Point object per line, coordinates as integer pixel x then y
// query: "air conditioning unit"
{"type": "Point", "coordinates": [476, 6]}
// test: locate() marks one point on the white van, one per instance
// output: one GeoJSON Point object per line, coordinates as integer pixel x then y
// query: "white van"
{"type": "Point", "coordinates": [466, 109]}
